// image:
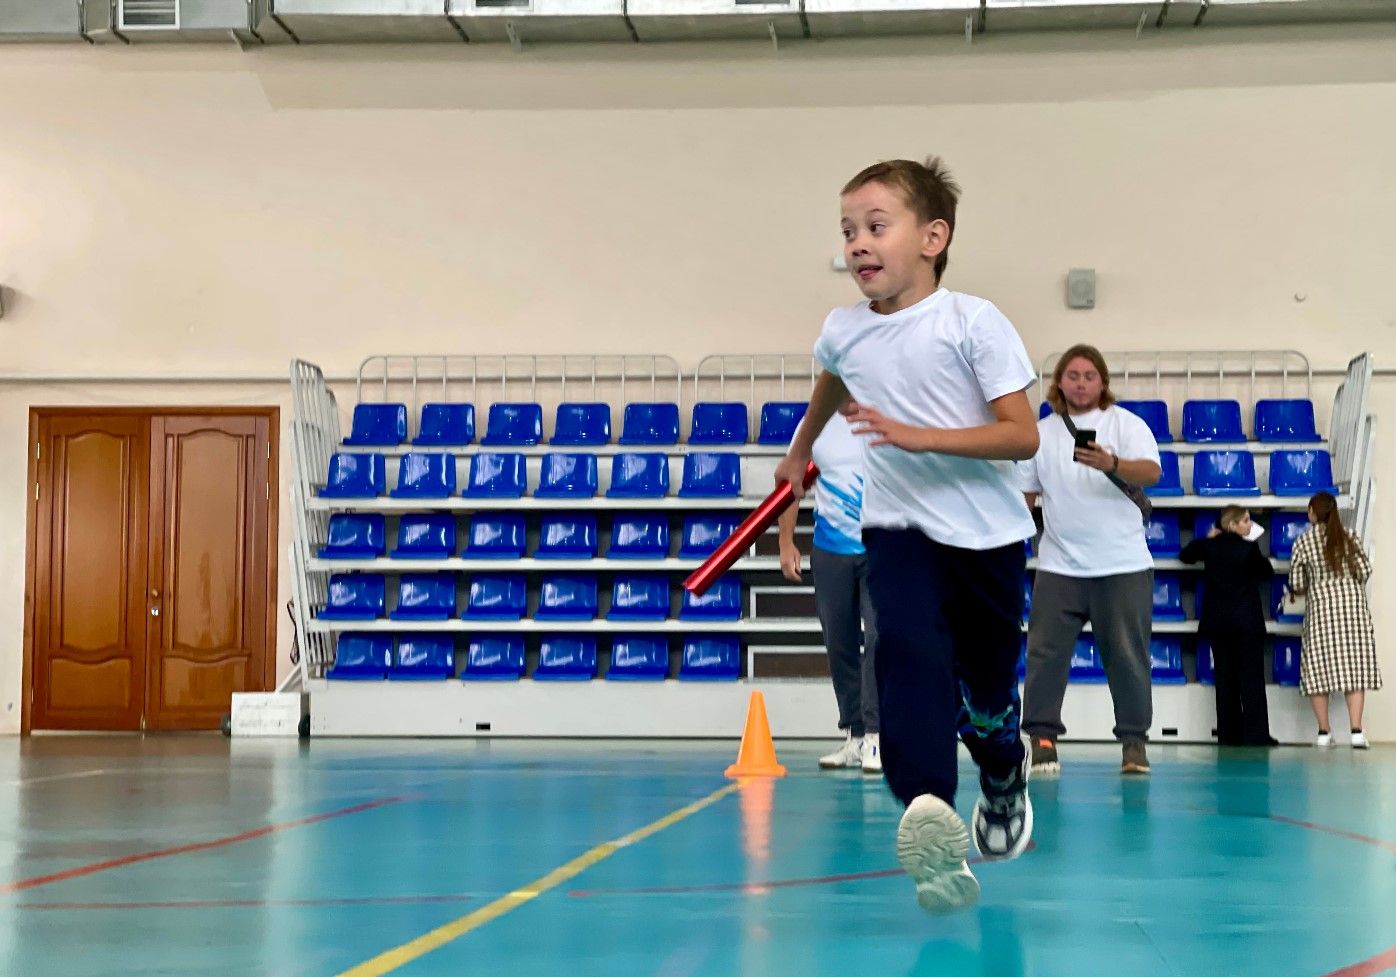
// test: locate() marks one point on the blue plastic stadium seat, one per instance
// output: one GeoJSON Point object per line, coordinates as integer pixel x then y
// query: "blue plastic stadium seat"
{"type": "Point", "coordinates": [354, 597]}
{"type": "Point", "coordinates": [354, 536]}
{"type": "Point", "coordinates": [1153, 413]}
{"type": "Point", "coordinates": [355, 476]}
{"type": "Point", "coordinates": [494, 658]}
{"type": "Point", "coordinates": [1166, 661]}
{"type": "Point", "coordinates": [711, 475]}
{"type": "Point", "coordinates": [722, 602]}
{"type": "Point", "coordinates": [639, 475]}
{"type": "Point", "coordinates": [1301, 473]}
{"type": "Point", "coordinates": [1203, 521]}
{"type": "Point", "coordinates": [496, 597]}
{"type": "Point", "coordinates": [650, 424]}
{"type": "Point", "coordinates": [567, 597]}
{"type": "Point", "coordinates": [425, 597]}
{"type": "Point", "coordinates": [719, 423]}
{"type": "Point", "coordinates": [1284, 664]}
{"type": "Point", "coordinates": [1285, 421]}
{"type": "Point", "coordinates": [1212, 421]}
{"type": "Point", "coordinates": [582, 424]}
{"type": "Point", "coordinates": [570, 536]}
{"type": "Point", "coordinates": [1224, 473]}
{"type": "Point", "coordinates": [514, 424]}
{"type": "Point", "coordinates": [566, 658]}
{"type": "Point", "coordinates": [497, 475]}
{"type": "Point", "coordinates": [1284, 613]}
{"type": "Point", "coordinates": [639, 537]}
{"type": "Point", "coordinates": [1285, 530]}
{"type": "Point", "coordinates": [446, 426]}
{"type": "Point", "coordinates": [567, 476]}
{"type": "Point", "coordinates": [378, 425]}
{"type": "Point", "coordinates": [424, 657]}
{"type": "Point", "coordinates": [639, 658]}
{"type": "Point", "coordinates": [426, 536]}
{"type": "Point", "coordinates": [704, 534]}
{"type": "Point", "coordinates": [361, 657]}
{"type": "Point", "coordinates": [1027, 597]}
{"type": "Point", "coordinates": [1044, 410]}
{"type": "Point", "coordinates": [1206, 664]}
{"type": "Point", "coordinates": [1163, 534]}
{"type": "Point", "coordinates": [1170, 484]}
{"type": "Point", "coordinates": [711, 658]}
{"type": "Point", "coordinates": [779, 419]}
{"type": "Point", "coordinates": [1085, 662]}
{"type": "Point", "coordinates": [425, 475]}
{"type": "Point", "coordinates": [639, 597]}
{"type": "Point", "coordinates": [1168, 597]}
{"type": "Point", "coordinates": [496, 537]}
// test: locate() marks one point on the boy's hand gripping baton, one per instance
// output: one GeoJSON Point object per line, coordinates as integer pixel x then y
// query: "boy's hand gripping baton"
{"type": "Point", "coordinates": [744, 536]}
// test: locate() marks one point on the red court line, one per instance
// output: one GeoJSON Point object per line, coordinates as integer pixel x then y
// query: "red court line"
{"type": "Point", "coordinates": [247, 903]}
{"type": "Point", "coordinates": [1336, 832]}
{"type": "Point", "coordinates": [1375, 965]}
{"type": "Point", "coordinates": [147, 856]}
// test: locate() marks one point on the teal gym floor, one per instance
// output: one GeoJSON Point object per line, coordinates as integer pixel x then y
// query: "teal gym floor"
{"type": "Point", "coordinates": [194, 855]}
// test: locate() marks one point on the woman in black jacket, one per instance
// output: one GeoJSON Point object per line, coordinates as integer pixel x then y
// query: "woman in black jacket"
{"type": "Point", "coordinates": [1233, 620]}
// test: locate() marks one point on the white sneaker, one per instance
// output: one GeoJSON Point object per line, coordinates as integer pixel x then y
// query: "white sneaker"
{"type": "Point", "coordinates": [1359, 742]}
{"type": "Point", "coordinates": [1003, 816]}
{"type": "Point", "coordinates": [848, 755]}
{"type": "Point", "coordinates": [1323, 741]}
{"type": "Point", "coordinates": [872, 754]}
{"type": "Point", "coordinates": [932, 843]}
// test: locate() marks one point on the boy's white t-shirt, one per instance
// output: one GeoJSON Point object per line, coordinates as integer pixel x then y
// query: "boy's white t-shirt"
{"type": "Point", "coordinates": [838, 492]}
{"type": "Point", "coordinates": [1090, 527]}
{"type": "Point", "coordinates": [935, 364]}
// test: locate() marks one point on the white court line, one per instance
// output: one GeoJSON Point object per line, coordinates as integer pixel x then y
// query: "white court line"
{"type": "Point", "coordinates": [57, 776]}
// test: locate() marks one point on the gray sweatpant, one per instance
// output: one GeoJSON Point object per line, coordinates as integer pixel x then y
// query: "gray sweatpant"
{"type": "Point", "coordinates": [1120, 611]}
{"type": "Point", "coordinates": [841, 597]}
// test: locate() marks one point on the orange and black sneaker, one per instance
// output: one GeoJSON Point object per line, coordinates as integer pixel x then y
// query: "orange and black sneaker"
{"type": "Point", "coordinates": [1044, 757]}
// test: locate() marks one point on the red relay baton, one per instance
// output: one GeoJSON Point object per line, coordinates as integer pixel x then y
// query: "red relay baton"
{"type": "Point", "coordinates": [744, 536]}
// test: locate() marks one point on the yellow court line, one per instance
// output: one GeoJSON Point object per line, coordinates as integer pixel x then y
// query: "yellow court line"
{"type": "Point", "coordinates": [399, 956]}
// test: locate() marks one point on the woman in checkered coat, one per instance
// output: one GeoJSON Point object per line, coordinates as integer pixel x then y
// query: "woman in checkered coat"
{"type": "Point", "coordinates": [1340, 651]}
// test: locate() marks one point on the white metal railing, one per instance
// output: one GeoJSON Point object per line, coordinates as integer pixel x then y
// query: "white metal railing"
{"type": "Point", "coordinates": [1201, 373]}
{"type": "Point", "coordinates": [755, 378]}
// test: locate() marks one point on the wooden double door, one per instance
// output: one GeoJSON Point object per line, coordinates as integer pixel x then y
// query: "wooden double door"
{"type": "Point", "coordinates": [152, 570]}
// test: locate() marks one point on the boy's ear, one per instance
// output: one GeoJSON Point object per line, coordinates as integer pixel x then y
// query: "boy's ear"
{"type": "Point", "coordinates": [935, 238]}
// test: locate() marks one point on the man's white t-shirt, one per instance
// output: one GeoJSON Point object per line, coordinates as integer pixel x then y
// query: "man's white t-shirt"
{"type": "Point", "coordinates": [936, 364]}
{"type": "Point", "coordinates": [1090, 528]}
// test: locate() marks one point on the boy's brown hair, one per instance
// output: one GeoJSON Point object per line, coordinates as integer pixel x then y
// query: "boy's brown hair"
{"type": "Point", "coordinates": [1230, 516]}
{"type": "Point", "coordinates": [929, 190]}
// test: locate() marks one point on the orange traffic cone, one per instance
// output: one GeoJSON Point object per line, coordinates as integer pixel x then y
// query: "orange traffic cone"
{"type": "Point", "coordinates": [757, 755]}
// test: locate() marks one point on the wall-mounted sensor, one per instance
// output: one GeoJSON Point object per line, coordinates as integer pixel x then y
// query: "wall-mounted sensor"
{"type": "Point", "coordinates": [1080, 288]}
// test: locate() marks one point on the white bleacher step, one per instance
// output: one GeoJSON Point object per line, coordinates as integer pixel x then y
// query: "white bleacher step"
{"type": "Point", "coordinates": [793, 625]}
{"type": "Point", "coordinates": [752, 564]}
{"type": "Point", "coordinates": [530, 625]}
{"type": "Point", "coordinates": [1254, 447]}
{"type": "Point", "coordinates": [600, 450]}
{"type": "Point", "coordinates": [533, 504]}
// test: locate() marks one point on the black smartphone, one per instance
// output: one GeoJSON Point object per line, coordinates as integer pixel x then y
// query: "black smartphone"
{"type": "Point", "coordinates": [1084, 437]}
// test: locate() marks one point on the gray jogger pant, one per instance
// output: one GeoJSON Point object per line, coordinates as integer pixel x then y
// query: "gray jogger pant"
{"type": "Point", "coordinates": [1120, 611]}
{"type": "Point", "coordinates": [841, 597]}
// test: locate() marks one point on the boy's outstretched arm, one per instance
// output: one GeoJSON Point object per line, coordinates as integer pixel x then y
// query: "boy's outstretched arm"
{"type": "Point", "coordinates": [1012, 436]}
{"type": "Point", "coordinates": [829, 395]}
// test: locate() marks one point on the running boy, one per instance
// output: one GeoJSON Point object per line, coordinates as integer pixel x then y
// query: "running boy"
{"type": "Point", "coordinates": [937, 381]}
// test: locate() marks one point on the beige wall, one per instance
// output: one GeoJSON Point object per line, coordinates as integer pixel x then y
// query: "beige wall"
{"type": "Point", "coordinates": [209, 211]}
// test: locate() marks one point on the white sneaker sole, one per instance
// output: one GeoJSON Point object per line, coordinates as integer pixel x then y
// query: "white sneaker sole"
{"type": "Point", "coordinates": [827, 764]}
{"type": "Point", "coordinates": [1053, 769]}
{"type": "Point", "coordinates": [932, 844]}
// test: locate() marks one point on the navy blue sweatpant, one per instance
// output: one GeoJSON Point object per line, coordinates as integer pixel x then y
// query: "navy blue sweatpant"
{"type": "Point", "coordinates": [949, 638]}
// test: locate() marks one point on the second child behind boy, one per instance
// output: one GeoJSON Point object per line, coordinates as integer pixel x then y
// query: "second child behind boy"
{"type": "Point", "coordinates": [1233, 620]}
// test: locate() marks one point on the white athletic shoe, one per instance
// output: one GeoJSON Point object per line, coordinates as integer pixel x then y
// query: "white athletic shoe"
{"type": "Point", "coordinates": [1323, 740]}
{"type": "Point", "coordinates": [1359, 742]}
{"type": "Point", "coordinates": [872, 753]}
{"type": "Point", "coordinates": [932, 843]}
{"type": "Point", "coordinates": [846, 756]}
